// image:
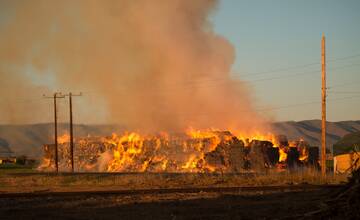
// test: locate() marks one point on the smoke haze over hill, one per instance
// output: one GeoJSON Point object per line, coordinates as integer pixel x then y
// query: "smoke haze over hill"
{"type": "Point", "coordinates": [28, 139]}
{"type": "Point", "coordinates": [145, 64]}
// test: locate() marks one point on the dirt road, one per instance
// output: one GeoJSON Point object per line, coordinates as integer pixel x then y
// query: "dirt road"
{"type": "Point", "coordinates": [196, 203]}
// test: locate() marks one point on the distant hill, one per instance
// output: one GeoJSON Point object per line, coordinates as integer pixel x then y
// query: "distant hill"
{"type": "Point", "coordinates": [5, 150]}
{"type": "Point", "coordinates": [347, 143]}
{"type": "Point", "coordinates": [28, 139]}
{"type": "Point", "coordinates": [310, 130]}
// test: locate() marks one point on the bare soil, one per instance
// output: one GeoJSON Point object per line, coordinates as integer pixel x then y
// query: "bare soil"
{"type": "Point", "coordinates": [281, 202]}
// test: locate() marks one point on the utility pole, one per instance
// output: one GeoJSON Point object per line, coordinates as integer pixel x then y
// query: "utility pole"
{"type": "Point", "coordinates": [71, 130]}
{"type": "Point", "coordinates": [323, 108]}
{"type": "Point", "coordinates": [55, 96]}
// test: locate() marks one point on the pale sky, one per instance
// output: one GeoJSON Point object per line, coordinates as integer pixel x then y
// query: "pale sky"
{"type": "Point", "coordinates": [273, 35]}
{"type": "Point", "coordinates": [277, 47]}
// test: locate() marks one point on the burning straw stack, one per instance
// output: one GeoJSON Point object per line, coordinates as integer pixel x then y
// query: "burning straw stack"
{"type": "Point", "coordinates": [219, 151]}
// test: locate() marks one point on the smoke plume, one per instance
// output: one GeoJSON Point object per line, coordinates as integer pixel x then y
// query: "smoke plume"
{"type": "Point", "coordinates": [149, 65]}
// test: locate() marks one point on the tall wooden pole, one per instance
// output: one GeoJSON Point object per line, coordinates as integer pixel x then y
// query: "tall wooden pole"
{"type": "Point", "coordinates": [56, 95]}
{"type": "Point", "coordinates": [71, 130]}
{"type": "Point", "coordinates": [71, 134]}
{"type": "Point", "coordinates": [56, 138]}
{"type": "Point", "coordinates": [323, 107]}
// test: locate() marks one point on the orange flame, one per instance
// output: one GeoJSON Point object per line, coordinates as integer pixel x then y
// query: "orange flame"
{"type": "Point", "coordinates": [282, 154]}
{"type": "Point", "coordinates": [65, 138]}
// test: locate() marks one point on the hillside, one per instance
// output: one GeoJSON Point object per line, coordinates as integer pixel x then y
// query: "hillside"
{"type": "Point", "coordinates": [310, 130]}
{"type": "Point", "coordinates": [347, 144]}
{"type": "Point", "coordinates": [5, 150]}
{"type": "Point", "coordinates": [28, 139]}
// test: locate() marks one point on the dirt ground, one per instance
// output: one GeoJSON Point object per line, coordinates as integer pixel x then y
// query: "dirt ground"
{"type": "Point", "coordinates": [260, 203]}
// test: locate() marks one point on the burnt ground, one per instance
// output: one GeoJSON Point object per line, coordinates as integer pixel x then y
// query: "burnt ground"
{"type": "Point", "coordinates": [217, 203]}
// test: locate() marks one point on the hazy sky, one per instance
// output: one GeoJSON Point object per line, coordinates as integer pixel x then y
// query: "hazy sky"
{"type": "Point", "coordinates": [272, 35]}
{"type": "Point", "coordinates": [277, 51]}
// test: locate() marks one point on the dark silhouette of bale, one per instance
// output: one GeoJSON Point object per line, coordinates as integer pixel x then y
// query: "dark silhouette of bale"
{"type": "Point", "coordinates": [21, 160]}
{"type": "Point", "coordinates": [292, 160]}
{"type": "Point", "coordinates": [246, 152]}
{"type": "Point", "coordinates": [261, 155]}
{"type": "Point", "coordinates": [282, 140]}
{"type": "Point", "coordinates": [313, 158]}
{"type": "Point", "coordinates": [273, 155]}
{"type": "Point", "coordinates": [257, 155]}
{"type": "Point", "coordinates": [216, 157]}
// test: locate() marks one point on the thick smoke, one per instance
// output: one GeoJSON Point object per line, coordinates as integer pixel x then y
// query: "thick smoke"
{"type": "Point", "coordinates": [151, 65]}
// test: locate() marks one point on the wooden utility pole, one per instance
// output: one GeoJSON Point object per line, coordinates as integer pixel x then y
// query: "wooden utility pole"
{"type": "Point", "coordinates": [323, 108]}
{"type": "Point", "coordinates": [71, 130]}
{"type": "Point", "coordinates": [56, 96]}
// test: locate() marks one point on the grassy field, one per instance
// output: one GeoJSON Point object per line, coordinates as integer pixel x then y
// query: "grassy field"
{"type": "Point", "coordinates": [16, 168]}
{"type": "Point", "coordinates": [27, 179]}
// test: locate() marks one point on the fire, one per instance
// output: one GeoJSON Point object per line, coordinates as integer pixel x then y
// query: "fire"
{"type": "Point", "coordinates": [127, 147]}
{"type": "Point", "coordinates": [191, 163]}
{"type": "Point", "coordinates": [135, 152]}
{"type": "Point", "coordinates": [209, 150]}
{"type": "Point", "coordinates": [65, 138]}
{"type": "Point", "coordinates": [211, 135]}
{"type": "Point", "coordinates": [255, 136]}
{"type": "Point", "coordinates": [282, 155]}
{"type": "Point", "coordinates": [304, 154]}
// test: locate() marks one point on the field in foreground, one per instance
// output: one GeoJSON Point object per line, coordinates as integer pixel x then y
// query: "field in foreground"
{"type": "Point", "coordinates": [35, 195]}
{"type": "Point", "coordinates": [13, 181]}
{"type": "Point", "coordinates": [236, 204]}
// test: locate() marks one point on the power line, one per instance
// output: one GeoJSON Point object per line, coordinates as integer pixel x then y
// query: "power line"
{"type": "Point", "coordinates": [287, 68]}
{"type": "Point", "coordinates": [288, 75]}
{"type": "Point", "coordinates": [202, 114]}
{"type": "Point", "coordinates": [300, 66]}
{"type": "Point", "coordinates": [265, 79]}
{"type": "Point", "coordinates": [344, 92]}
{"type": "Point", "coordinates": [216, 82]}
{"type": "Point", "coordinates": [343, 58]}
{"type": "Point", "coordinates": [310, 103]}
{"type": "Point", "coordinates": [281, 69]}
{"type": "Point", "coordinates": [279, 107]}
{"type": "Point", "coordinates": [21, 100]}
{"type": "Point", "coordinates": [343, 84]}
{"type": "Point", "coordinates": [258, 73]}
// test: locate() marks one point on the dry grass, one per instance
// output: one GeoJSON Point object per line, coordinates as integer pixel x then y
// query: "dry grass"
{"type": "Point", "coordinates": [11, 182]}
